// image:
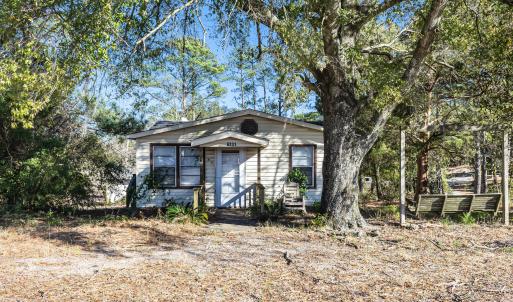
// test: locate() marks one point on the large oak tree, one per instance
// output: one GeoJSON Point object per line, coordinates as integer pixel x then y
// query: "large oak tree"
{"type": "Point", "coordinates": [340, 49]}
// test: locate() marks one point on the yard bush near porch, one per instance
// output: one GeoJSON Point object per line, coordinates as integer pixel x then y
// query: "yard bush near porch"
{"type": "Point", "coordinates": [134, 259]}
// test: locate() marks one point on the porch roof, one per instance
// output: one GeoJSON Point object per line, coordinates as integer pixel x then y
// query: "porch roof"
{"type": "Point", "coordinates": [230, 139]}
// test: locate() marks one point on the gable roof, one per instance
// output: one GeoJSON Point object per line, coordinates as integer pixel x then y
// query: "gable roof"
{"type": "Point", "coordinates": [230, 134]}
{"type": "Point", "coordinates": [183, 125]}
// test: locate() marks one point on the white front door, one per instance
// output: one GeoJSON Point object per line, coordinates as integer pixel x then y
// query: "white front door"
{"type": "Point", "coordinates": [230, 178]}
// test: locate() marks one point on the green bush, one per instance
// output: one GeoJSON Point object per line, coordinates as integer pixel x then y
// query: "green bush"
{"type": "Point", "coordinates": [179, 213]}
{"type": "Point", "coordinates": [59, 175]}
{"type": "Point", "coordinates": [316, 206]}
{"type": "Point", "coordinates": [300, 178]}
{"type": "Point", "coordinates": [53, 219]}
{"type": "Point", "coordinates": [467, 218]}
{"type": "Point", "coordinates": [319, 221]}
{"type": "Point", "coordinates": [272, 209]}
{"type": "Point", "coordinates": [389, 212]}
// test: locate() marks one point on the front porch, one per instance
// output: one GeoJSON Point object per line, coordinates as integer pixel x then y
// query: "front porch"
{"type": "Point", "coordinates": [230, 170]}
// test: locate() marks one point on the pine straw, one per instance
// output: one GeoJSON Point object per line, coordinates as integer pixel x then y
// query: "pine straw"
{"type": "Point", "coordinates": [148, 260]}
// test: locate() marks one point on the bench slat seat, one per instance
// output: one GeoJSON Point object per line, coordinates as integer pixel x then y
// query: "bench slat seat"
{"type": "Point", "coordinates": [458, 203]}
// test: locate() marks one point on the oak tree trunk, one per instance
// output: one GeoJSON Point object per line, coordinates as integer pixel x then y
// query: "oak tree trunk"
{"type": "Point", "coordinates": [343, 154]}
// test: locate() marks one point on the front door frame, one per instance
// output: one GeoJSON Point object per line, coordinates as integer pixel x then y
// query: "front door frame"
{"type": "Point", "coordinates": [242, 173]}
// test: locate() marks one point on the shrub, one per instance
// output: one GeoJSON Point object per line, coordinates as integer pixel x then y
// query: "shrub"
{"type": "Point", "coordinates": [389, 212]}
{"type": "Point", "coordinates": [316, 206]}
{"type": "Point", "coordinates": [467, 218]}
{"type": "Point", "coordinates": [300, 178]}
{"type": "Point", "coordinates": [185, 214]}
{"type": "Point", "coordinates": [319, 221]}
{"type": "Point", "coordinates": [272, 209]}
{"type": "Point", "coordinates": [59, 175]}
{"type": "Point", "coordinates": [53, 219]}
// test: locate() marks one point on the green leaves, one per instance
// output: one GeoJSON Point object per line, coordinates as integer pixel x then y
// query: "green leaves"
{"type": "Point", "coordinates": [297, 176]}
{"type": "Point", "coordinates": [115, 121]}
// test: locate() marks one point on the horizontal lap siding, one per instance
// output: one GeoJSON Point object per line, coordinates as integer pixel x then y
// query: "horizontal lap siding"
{"type": "Point", "coordinates": [274, 157]}
{"type": "Point", "coordinates": [161, 197]}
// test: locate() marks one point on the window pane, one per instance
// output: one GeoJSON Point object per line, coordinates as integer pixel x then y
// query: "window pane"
{"type": "Point", "coordinates": [305, 151]}
{"type": "Point", "coordinates": [164, 161]}
{"type": "Point", "coordinates": [193, 171]}
{"type": "Point", "coordinates": [302, 158]}
{"type": "Point", "coordinates": [308, 173]}
{"type": "Point", "coordinates": [164, 166]}
{"type": "Point", "coordinates": [190, 161]}
{"type": "Point", "coordinates": [189, 180]}
{"type": "Point", "coordinates": [164, 177]}
{"type": "Point", "coordinates": [189, 166]}
{"type": "Point", "coordinates": [301, 161]}
{"type": "Point", "coordinates": [189, 151]}
{"type": "Point", "coordinates": [164, 151]}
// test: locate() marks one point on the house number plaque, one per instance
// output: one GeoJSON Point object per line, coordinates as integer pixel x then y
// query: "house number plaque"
{"type": "Point", "coordinates": [231, 144]}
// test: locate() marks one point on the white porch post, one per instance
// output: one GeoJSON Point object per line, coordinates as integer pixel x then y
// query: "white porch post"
{"type": "Point", "coordinates": [505, 177]}
{"type": "Point", "coordinates": [403, 179]}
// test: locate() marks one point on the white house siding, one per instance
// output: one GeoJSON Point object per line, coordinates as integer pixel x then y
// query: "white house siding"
{"type": "Point", "coordinates": [274, 157]}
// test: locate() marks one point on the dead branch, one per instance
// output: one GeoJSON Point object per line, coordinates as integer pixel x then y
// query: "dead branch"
{"type": "Point", "coordinates": [164, 21]}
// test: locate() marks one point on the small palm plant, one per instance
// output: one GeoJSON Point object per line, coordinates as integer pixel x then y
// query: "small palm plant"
{"type": "Point", "coordinates": [179, 213]}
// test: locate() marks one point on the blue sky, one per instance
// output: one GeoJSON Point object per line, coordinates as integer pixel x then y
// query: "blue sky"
{"type": "Point", "coordinates": [222, 51]}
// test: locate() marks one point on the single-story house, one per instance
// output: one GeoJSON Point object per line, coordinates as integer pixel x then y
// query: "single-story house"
{"type": "Point", "coordinates": [227, 156]}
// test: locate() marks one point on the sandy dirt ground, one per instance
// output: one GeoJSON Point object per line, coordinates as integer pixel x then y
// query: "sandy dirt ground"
{"type": "Point", "coordinates": [150, 260]}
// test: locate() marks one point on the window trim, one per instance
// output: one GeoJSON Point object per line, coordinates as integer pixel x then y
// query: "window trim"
{"type": "Point", "coordinates": [314, 172]}
{"type": "Point", "coordinates": [177, 161]}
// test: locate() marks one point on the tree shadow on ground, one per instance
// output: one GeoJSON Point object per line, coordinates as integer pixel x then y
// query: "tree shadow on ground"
{"type": "Point", "coordinates": [153, 237]}
{"type": "Point", "coordinates": [80, 239]}
{"type": "Point", "coordinates": [117, 242]}
{"type": "Point", "coordinates": [119, 233]}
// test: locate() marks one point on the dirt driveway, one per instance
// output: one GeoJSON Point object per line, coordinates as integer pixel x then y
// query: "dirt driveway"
{"type": "Point", "coordinates": [149, 260]}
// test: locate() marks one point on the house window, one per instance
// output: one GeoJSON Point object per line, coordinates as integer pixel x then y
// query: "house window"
{"type": "Point", "coordinates": [164, 166]}
{"type": "Point", "coordinates": [189, 166]}
{"type": "Point", "coordinates": [302, 158]}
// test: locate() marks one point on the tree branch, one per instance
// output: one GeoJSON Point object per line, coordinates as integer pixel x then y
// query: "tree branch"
{"type": "Point", "coordinates": [330, 30]}
{"type": "Point", "coordinates": [427, 36]}
{"type": "Point", "coordinates": [164, 21]}
{"type": "Point", "coordinates": [309, 84]}
{"type": "Point", "coordinates": [260, 13]}
{"type": "Point", "coordinates": [379, 123]}
{"type": "Point", "coordinates": [367, 13]}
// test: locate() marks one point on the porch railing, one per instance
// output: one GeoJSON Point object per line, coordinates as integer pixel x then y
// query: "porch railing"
{"type": "Point", "coordinates": [254, 195]}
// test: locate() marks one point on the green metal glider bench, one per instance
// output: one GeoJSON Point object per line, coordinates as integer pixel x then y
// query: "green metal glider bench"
{"type": "Point", "coordinates": [450, 204]}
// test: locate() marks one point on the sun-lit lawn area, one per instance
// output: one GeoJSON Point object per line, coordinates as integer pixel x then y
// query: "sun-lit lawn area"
{"type": "Point", "coordinates": [150, 260]}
